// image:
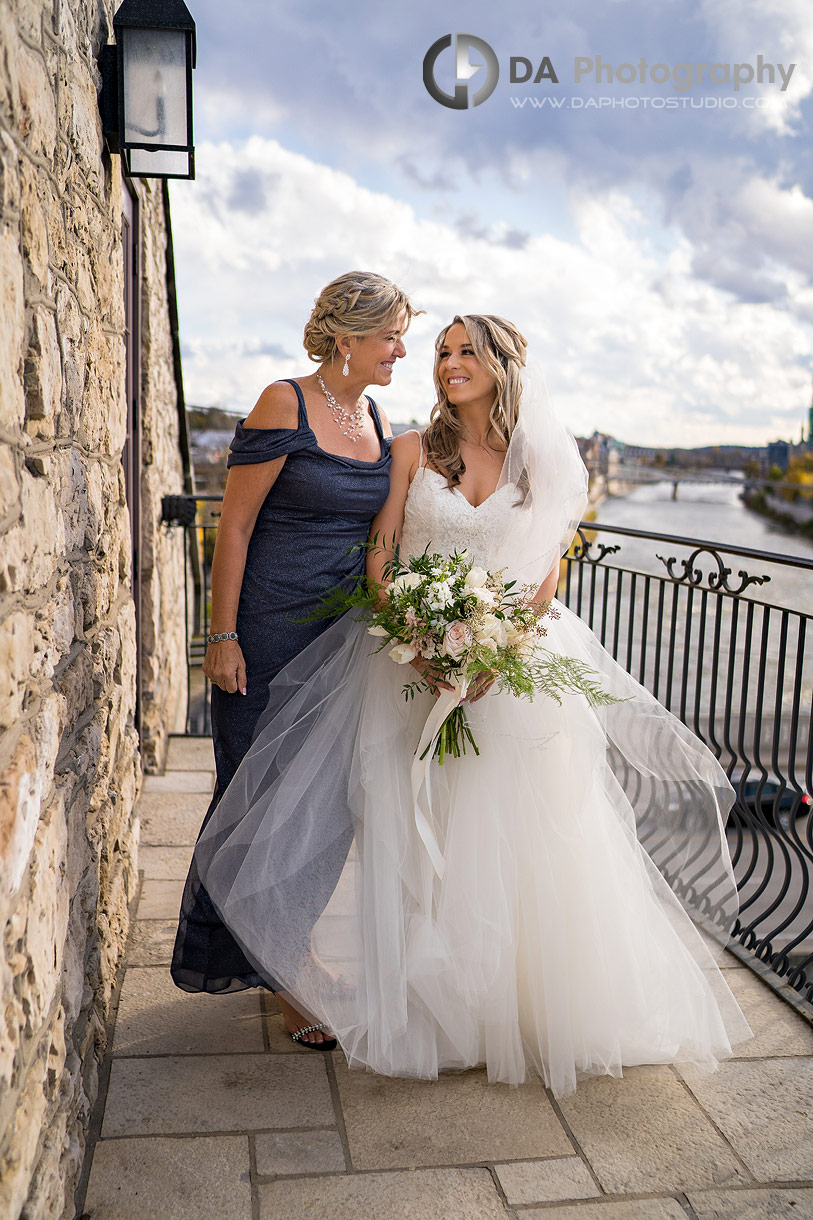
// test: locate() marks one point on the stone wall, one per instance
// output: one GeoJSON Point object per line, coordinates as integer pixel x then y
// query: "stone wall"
{"type": "Point", "coordinates": [69, 752]}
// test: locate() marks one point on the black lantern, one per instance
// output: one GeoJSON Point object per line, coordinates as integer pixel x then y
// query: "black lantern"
{"type": "Point", "coordinates": [147, 89]}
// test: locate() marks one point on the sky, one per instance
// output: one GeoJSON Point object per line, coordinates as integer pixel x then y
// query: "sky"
{"type": "Point", "coordinates": [652, 237]}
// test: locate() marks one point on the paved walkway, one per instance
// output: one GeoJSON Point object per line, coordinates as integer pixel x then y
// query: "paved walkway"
{"type": "Point", "coordinates": [212, 1113]}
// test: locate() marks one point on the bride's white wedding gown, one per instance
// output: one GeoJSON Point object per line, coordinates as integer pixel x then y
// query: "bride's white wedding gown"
{"type": "Point", "coordinates": [552, 942]}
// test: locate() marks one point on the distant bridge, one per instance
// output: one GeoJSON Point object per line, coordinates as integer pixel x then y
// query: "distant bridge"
{"type": "Point", "coordinates": [649, 474]}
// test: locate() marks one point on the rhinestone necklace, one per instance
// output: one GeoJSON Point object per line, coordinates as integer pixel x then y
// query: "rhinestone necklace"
{"type": "Point", "coordinates": [350, 423]}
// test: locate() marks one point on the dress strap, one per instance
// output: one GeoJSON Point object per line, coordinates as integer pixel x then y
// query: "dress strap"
{"type": "Point", "coordinates": [424, 451]}
{"type": "Point", "coordinates": [300, 398]}
{"type": "Point", "coordinates": [376, 418]}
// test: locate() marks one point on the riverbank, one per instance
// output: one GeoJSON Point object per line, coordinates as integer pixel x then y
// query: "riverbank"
{"type": "Point", "coordinates": [791, 518]}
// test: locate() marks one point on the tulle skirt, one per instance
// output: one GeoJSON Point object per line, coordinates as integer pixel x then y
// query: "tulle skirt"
{"type": "Point", "coordinates": [585, 885]}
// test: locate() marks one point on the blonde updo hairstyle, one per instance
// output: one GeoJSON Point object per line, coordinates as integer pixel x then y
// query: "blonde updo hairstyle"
{"type": "Point", "coordinates": [359, 303]}
{"type": "Point", "coordinates": [500, 349]}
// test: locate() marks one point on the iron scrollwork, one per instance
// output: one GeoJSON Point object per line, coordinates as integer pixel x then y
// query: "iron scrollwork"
{"type": "Point", "coordinates": [717, 581]}
{"type": "Point", "coordinates": [581, 551]}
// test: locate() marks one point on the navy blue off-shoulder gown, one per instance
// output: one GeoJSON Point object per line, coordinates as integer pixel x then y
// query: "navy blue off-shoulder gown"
{"type": "Point", "coordinates": [319, 507]}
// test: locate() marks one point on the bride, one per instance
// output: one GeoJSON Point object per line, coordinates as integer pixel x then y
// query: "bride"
{"type": "Point", "coordinates": [551, 905]}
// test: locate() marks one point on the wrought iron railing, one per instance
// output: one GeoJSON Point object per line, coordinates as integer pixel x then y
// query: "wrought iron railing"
{"type": "Point", "coordinates": [735, 667]}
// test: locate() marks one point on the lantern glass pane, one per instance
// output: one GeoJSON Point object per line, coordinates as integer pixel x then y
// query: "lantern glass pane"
{"type": "Point", "coordinates": [154, 64]}
{"type": "Point", "coordinates": [144, 163]}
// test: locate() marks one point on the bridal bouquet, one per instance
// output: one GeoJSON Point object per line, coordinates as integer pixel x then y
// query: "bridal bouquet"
{"type": "Point", "coordinates": [468, 624]}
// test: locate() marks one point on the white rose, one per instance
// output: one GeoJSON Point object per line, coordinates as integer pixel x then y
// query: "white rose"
{"type": "Point", "coordinates": [491, 628]}
{"type": "Point", "coordinates": [512, 634]}
{"type": "Point", "coordinates": [402, 654]}
{"type": "Point", "coordinates": [378, 631]}
{"type": "Point", "coordinates": [407, 580]}
{"type": "Point", "coordinates": [488, 643]}
{"type": "Point", "coordinates": [476, 578]}
{"type": "Point", "coordinates": [484, 596]}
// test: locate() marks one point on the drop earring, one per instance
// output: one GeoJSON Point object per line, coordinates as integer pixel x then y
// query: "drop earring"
{"type": "Point", "coordinates": [346, 370]}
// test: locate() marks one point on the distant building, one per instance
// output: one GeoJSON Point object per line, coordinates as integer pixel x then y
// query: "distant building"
{"type": "Point", "coordinates": [778, 454]}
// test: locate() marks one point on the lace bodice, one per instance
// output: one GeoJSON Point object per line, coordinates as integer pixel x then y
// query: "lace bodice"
{"type": "Point", "coordinates": [444, 521]}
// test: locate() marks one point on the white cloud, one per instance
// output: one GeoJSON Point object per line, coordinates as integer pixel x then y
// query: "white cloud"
{"type": "Point", "coordinates": [633, 342]}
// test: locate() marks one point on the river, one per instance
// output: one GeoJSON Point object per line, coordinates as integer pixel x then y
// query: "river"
{"type": "Point", "coordinates": [714, 513]}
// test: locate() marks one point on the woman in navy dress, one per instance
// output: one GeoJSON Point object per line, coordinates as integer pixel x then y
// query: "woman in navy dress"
{"type": "Point", "coordinates": [308, 472]}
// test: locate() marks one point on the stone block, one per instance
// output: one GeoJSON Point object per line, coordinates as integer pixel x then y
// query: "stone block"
{"type": "Point", "coordinates": [16, 663]}
{"type": "Point", "coordinates": [632, 1209]}
{"type": "Point", "coordinates": [160, 899]}
{"type": "Point", "coordinates": [33, 225]}
{"type": "Point", "coordinates": [781, 1203]}
{"type": "Point", "coordinates": [178, 1179]}
{"type": "Point", "coordinates": [76, 687]}
{"type": "Point", "coordinates": [156, 1018]}
{"type": "Point", "coordinates": [165, 863]}
{"type": "Point", "coordinates": [43, 370]}
{"type": "Point", "coordinates": [73, 345]}
{"type": "Point", "coordinates": [458, 1119]}
{"type": "Point", "coordinates": [172, 818]}
{"type": "Point", "coordinates": [778, 1030]}
{"type": "Point", "coordinates": [428, 1194]}
{"type": "Point", "coordinates": [34, 105]}
{"type": "Point", "coordinates": [299, 1152]}
{"type": "Point", "coordinates": [47, 915]}
{"type": "Point", "coordinates": [190, 754]}
{"type": "Point", "coordinates": [644, 1133]}
{"type": "Point", "coordinates": [20, 802]}
{"type": "Point", "coordinates": [20, 1150]}
{"type": "Point", "coordinates": [10, 186]}
{"type": "Point", "coordinates": [180, 781]}
{"type": "Point", "coordinates": [763, 1109]}
{"type": "Point", "coordinates": [12, 332]}
{"type": "Point", "coordinates": [83, 122]}
{"type": "Point", "coordinates": [43, 534]}
{"type": "Point", "coordinates": [9, 483]}
{"type": "Point", "coordinates": [201, 1093]}
{"type": "Point", "coordinates": [151, 941]}
{"type": "Point", "coordinates": [549, 1181]}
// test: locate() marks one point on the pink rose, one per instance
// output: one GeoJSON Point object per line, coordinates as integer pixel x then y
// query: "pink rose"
{"type": "Point", "coordinates": [457, 639]}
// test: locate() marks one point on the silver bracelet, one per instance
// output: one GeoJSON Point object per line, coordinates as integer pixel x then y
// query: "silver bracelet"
{"type": "Point", "coordinates": [223, 635]}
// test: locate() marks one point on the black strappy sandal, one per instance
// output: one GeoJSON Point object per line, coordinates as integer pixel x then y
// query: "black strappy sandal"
{"type": "Point", "coordinates": [328, 1044]}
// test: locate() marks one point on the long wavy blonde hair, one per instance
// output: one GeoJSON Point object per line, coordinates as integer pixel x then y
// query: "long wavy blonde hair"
{"type": "Point", "coordinates": [500, 348]}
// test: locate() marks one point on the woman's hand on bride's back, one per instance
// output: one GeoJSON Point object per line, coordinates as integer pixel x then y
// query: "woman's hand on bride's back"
{"type": "Point", "coordinates": [225, 667]}
{"type": "Point", "coordinates": [430, 675]}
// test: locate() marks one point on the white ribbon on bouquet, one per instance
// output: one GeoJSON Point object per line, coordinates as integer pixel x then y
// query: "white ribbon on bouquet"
{"type": "Point", "coordinates": [445, 703]}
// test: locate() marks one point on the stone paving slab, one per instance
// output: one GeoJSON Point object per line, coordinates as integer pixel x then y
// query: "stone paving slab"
{"type": "Point", "coordinates": [150, 942]}
{"type": "Point", "coordinates": [627, 1209]}
{"type": "Point", "coordinates": [164, 863]}
{"type": "Point", "coordinates": [206, 1093]}
{"type": "Point", "coordinates": [427, 1194]}
{"type": "Point", "coordinates": [546, 1181]}
{"type": "Point", "coordinates": [190, 754]}
{"type": "Point", "coordinates": [456, 1120]}
{"type": "Point", "coordinates": [170, 1179]}
{"type": "Point", "coordinates": [646, 1133]}
{"type": "Point", "coordinates": [160, 899]}
{"type": "Point", "coordinates": [172, 818]}
{"type": "Point", "coordinates": [783, 1204]}
{"type": "Point", "coordinates": [156, 1018]}
{"type": "Point", "coordinates": [765, 1109]}
{"type": "Point", "coordinates": [181, 781]}
{"type": "Point", "coordinates": [299, 1152]}
{"type": "Point", "coordinates": [778, 1030]}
